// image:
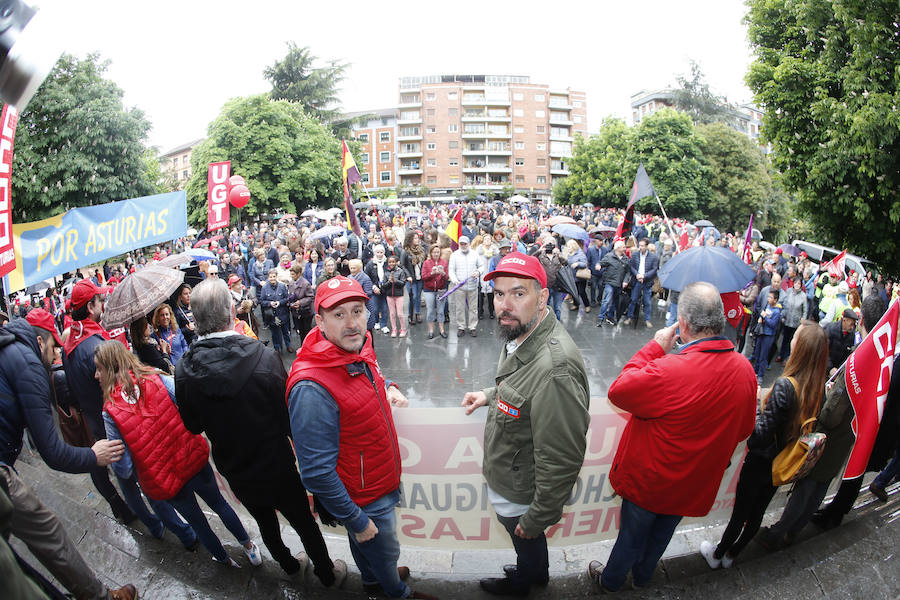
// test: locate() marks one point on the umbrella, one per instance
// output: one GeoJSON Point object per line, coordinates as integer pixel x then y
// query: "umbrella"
{"type": "Point", "coordinates": [718, 266]}
{"type": "Point", "coordinates": [334, 210]}
{"type": "Point", "coordinates": [37, 287]}
{"type": "Point", "coordinates": [139, 293]}
{"type": "Point", "coordinates": [363, 205]}
{"type": "Point", "coordinates": [767, 246]}
{"type": "Point", "coordinates": [208, 241]}
{"type": "Point", "coordinates": [287, 216]}
{"type": "Point", "coordinates": [327, 231]}
{"type": "Point", "coordinates": [703, 223]}
{"type": "Point", "coordinates": [588, 205]}
{"type": "Point", "coordinates": [601, 230]}
{"type": "Point", "coordinates": [323, 215]}
{"type": "Point", "coordinates": [559, 219]}
{"type": "Point", "coordinates": [414, 216]}
{"type": "Point", "coordinates": [571, 231]}
{"type": "Point", "coordinates": [182, 258]}
{"type": "Point", "coordinates": [191, 231]}
{"type": "Point", "coordinates": [518, 199]}
{"type": "Point", "coordinates": [755, 234]}
{"type": "Point", "coordinates": [566, 278]}
{"type": "Point", "coordinates": [790, 249]}
{"type": "Point", "coordinates": [199, 254]}
{"type": "Point", "coordinates": [308, 213]}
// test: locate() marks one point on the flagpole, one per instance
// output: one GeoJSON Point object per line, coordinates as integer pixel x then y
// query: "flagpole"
{"type": "Point", "coordinates": [666, 217]}
{"type": "Point", "coordinates": [377, 215]}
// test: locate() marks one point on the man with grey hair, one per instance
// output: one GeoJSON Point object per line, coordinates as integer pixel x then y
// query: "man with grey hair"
{"type": "Point", "coordinates": [232, 388]}
{"type": "Point", "coordinates": [613, 267]}
{"type": "Point", "coordinates": [341, 256]}
{"type": "Point", "coordinates": [465, 266]}
{"type": "Point", "coordinates": [690, 410]}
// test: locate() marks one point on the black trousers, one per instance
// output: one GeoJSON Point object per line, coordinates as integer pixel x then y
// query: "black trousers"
{"type": "Point", "coordinates": [844, 499]}
{"type": "Point", "coordinates": [288, 496]}
{"type": "Point", "coordinates": [752, 497]}
{"type": "Point", "coordinates": [532, 562]}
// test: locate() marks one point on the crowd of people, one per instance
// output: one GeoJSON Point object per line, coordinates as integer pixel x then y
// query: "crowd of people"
{"type": "Point", "coordinates": [142, 400]}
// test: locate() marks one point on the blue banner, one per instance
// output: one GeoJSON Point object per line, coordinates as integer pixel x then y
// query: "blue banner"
{"type": "Point", "coordinates": [84, 236]}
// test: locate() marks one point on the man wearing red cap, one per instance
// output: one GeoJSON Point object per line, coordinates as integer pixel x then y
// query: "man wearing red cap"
{"type": "Point", "coordinates": [26, 352]}
{"type": "Point", "coordinates": [534, 444]}
{"type": "Point", "coordinates": [344, 436]}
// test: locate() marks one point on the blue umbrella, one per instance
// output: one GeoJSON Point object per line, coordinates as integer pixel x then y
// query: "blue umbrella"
{"type": "Point", "coordinates": [571, 231]}
{"type": "Point", "coordinates": [327, 231]}
{"type": "Point", "coordinates": [790, 249]}
{"type": "Point", "coordinates": [199, 254]}
{"type": "Point", "coordinates": [718, 266]}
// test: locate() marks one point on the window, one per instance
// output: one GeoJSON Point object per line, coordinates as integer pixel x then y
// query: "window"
{"type": "Point", "coordinates": [410, 147]}
{"type": "Point", "coordinates": [520, 145]}
{"type": "Point", "coordinates": [430, 146]}
{"type": "Point", "coordinates": [432, 162]}
{"type": "Point", "coordinates": [542, 162]}
{"type": "Point", "coordinates": [519, 129]}
{"type": "Point", "coordinates": [384, 157]}
{"type": "Point", "coordinates": [518, 112]}
{"type": "Point", "coordinates": [429, 95]}
{"type": "Point", "coordinates": [453, 128]}
{"type": "Point", "coordinates": [184, 174]}
{"type": "Point", "coordinates": [452, 112]}
{"type": "Point", "coordinates": [454, 179]}
{"type": "Point", "coordinates": [364, 177]}
{"type": "Point", "coordinates": [429, 112]}
{"type": "Point", "coordinates": [364, 138]}
{"type": "Point", "coordinates": [520, 162]}
{"type": "Point", "coordinates": [577, 103]}
{"type": "Point", "coordinates": [518, 96]}
{"type": "Point", "coordinates": [540, 129]}
{"type": "Point", "coordinates": [432, 179]}
{"type": "Point", "coordinates": [384, 137]}
{"type": "Point", "coordinates": [540, 114]}
{"type": "Point", "coordinates": [430, 129]}
{"type": "Point", "coordinates": [385, 176]}
{"type": "Point", "coordinates": [578, 118]}
{"type": "Point", "coordinates": [454, 145]}
{"type": "Point", "coordinates": [364, 158]}
{"type": "Point", "coordinates": [452, 96]}
{"type": "Point", "coordinates": [542, 179]}
{"type": "Point", "coordinates": [409, 131]}
{"type": "Point", "coordinates": [541, 146]}
{"type": "Point", "coordinates": [454, 162]}
{"type": "Point", "coordinates": [538, 97]}
{"type": "Point", "coordinates": [520, 179]}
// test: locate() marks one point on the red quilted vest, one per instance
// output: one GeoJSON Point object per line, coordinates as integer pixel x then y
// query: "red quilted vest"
{"type": "Point", "coordinates": [165, 454]}
{"type": "Point", "coordinates": [369, 456]}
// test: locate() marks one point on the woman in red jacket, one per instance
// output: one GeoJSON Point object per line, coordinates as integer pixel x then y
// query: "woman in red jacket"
{"type": "Point", "coordinates": [172, 464]}
{"type": "Point", "coordinates": [434, 276]}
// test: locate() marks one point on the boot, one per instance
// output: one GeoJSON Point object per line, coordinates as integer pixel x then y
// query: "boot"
{"type": "Point", "coordinates": [120, 510]}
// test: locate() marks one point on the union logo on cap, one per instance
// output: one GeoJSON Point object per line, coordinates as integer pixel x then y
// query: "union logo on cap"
{"type": "Point", "coordinates": [334, 284]}
{"type": "Point", "coordinates": [511, 259]}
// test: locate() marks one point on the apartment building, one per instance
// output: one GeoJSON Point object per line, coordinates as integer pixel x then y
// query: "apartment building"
{"type": "Point", "coordinates": [482, 132]}
{"type": "Point", "coordinates": [377, 160]}
{"type": "Point", "coordinates": [176, 163]}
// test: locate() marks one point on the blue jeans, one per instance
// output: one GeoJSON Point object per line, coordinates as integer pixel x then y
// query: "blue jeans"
{"type": "Point", "coordinates": [434, 306]}
{"type": "Point", "coordinates": [203, 484]}
{"type": "Point", "coordinates": [885, 477]}
{"type": "Point", "coordinates": [643, 538]}
{"type": "Point", "coordinates": [609, 303]}
{"type": "Point", "coordinates": [377, 558]}
{"type": "Point", "coordinates": [415, 297]}
{"type": "Point", "coordinates": [641, 289]}
{"type": "Point", "coordinates": [672, 315]}
{"type": "Point", "coordinates": [381, 310]}
{"type": "Point", "coordinates": [281, 334]}
{"type": "Point", "coordinates": [556, 299]}
{"type": "Point", "coordinates": [761, 354]}
{"type": "Point", "coordinates": [165, 515]}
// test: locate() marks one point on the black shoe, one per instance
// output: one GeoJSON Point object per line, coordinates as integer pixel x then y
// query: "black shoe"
{"type": "Point", "coordinates": [481, 317]}
{"type": "Point", "coordinates": [121, 511]}
{"type": "Point", "coordinates": [460, 333]}
{"type": "Point", "coordinates": [512, 570]}
{"type": "Point", "coordinates": [447, 319]}
{"type": "Point", "coordinates": [431, 336]}
{"type": "Point", "coordinates": [503, 587]}
{"type": "Point", "coordinates": [443, 334]}
{"type": "Point", "coordinates": [473, 333]}
{"type": "Point", "coordinates": [492, 315]}
{"type": "Point", "coordinates": [823, 519]}
{"type": "Point", "coordinates": [878, 491]}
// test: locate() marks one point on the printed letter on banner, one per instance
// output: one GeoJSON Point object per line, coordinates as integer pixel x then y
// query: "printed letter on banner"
{"type": "Point", "coordinates": [217, 195]}
{"type": "Point", "coordinates": [8, 121]}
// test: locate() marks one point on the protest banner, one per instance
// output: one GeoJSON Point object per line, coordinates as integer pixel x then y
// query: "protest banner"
{"type": "Point", "coordinates": [217, 213]}
{"type": "Point", "coordinates": [8, 120]}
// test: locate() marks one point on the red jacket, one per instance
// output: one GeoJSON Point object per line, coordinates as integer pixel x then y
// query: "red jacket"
{"type": "Point", "coordinates": [689, 411]}
{"type": "Point", "coordinates": [166, 455]}
{"type": "Point", "coordinates": [368, 454]}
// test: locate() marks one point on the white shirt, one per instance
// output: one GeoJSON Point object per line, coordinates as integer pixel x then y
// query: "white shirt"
{"type": "Point", "coordinates": [641, 267]}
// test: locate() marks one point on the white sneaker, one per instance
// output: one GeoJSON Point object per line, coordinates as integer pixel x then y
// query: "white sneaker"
{"type": "Point", "coordinates": [385, 330]}
{"type": "Point", "coordinates": [230, 562]}
{"type": "Point", "coordinates": [727, 561]}
{"type": "Point", "coordinates": [707, 551]}
{"type": "Point", "coordinates": [253, 554]}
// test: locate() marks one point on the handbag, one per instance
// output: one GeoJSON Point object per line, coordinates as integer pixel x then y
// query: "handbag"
{"type": "Point", "coordinates": [797, 460]}
{"type": "Point", "coordinates": [73, 428]}
{"type": "Point", "coordinates": [583, 273]}
{"type": "Point", "coordinates": [268, 314]}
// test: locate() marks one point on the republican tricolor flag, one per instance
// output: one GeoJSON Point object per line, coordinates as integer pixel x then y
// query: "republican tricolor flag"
{"type": "Point", "coordinates": [349, 175]}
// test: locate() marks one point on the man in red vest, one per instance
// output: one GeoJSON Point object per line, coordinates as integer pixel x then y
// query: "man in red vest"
{"type": "Point", "coordinates": [344, 436]}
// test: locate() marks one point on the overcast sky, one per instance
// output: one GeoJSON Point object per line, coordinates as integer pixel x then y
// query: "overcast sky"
{"type": "Point", "coordinates": [180, 61]}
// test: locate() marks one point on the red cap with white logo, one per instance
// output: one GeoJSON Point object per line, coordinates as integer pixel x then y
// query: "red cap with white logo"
{"type": "Point", "coordinates": [516, 264]}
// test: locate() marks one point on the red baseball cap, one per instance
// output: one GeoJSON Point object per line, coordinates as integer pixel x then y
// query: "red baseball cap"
{"type": "Point", "coordinates": [336, 290]}
{"type": "Point", "coordinates": [232, 279]}
{"type": "Point", "coordinates": [41, 318]}
{"type": "Point", "coordinates": [84, 291]}
{"type": "Point", "coordinates": [778, 251]}
{"type": "Point", "coordinates": [516, 264]}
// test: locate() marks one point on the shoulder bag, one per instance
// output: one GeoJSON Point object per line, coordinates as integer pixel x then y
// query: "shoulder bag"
{"type": "Point", "coordinates": [797, 460]}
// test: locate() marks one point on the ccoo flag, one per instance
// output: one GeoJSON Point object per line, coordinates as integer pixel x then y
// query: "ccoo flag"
{"type": "Point", "coordinates": [640, 189]}
{"type": "Point", "coordinates": [454, 228]}
{"type": "Point", "coordinates": [867, 375]}
{"type": "Point", "coordinates": [835, 266]}
{"type": "Point", "coordinates": [746, 254]}
{"type": "Point", "coordinates": [349, 175]}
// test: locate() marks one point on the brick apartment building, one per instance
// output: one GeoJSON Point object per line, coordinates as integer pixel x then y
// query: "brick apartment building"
{"type": "Point", "coordinates": [176, 163]}
{"type": "Point", "coordinates": [452, 133]}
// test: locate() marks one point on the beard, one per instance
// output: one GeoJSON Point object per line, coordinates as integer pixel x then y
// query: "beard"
{"type": "Point", "coordinates": [512, 332]}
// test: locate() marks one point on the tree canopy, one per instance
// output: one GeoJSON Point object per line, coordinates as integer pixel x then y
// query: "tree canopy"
{"type": "Point", "coordinates": [827, 73]}
{"type": "Point", "coordinates": [289, 159]}
{"type": "Point", "coordinates": [694, 97]}
{"type": "Point", "coordinates": [77, 145]}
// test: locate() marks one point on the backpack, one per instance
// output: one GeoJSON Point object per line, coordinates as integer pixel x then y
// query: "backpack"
{"type": "Point", "coordinates": [797, 460]}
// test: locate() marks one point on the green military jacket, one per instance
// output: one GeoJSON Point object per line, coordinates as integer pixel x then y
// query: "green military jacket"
{"type": "Point", "coordinates": [535, 435]}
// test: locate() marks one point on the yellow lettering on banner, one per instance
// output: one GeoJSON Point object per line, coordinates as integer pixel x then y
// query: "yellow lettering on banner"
{"type": "Point", "coordinates": [162, 221]}
{"type": "Point", "coordinates": [54, 258]}
{"type": "Point", "coordinates": [43, 245]}
{"type": "Point", "coordinates": [140, 227]}
{"type": "Point", "coordinates": [101, 239]}
{"type": "Point", "coordinates": [119, 232]}
{"type": "Point", "coordinates": [90, 246]}
{"type": "Point", "coordinates": [71, 240]}
{"type": "Point", "coordinates": [151, 225]}
{"type": "Point", "coordinates": [107, 234]}
{"type": "Point", "coordinates": [129, 229]}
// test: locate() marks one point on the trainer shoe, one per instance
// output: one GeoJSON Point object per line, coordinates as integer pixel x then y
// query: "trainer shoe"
{"type": "Point", "coordinates": [707, 551]}
{"type": "Point", "coordinates": [385, 330]}
{"type": "Point", "coordinates": [649, 324]}
{"type": "Point", "coordinates": [253, 554]}
{"type": "Point", "coordinates": [228, 561]}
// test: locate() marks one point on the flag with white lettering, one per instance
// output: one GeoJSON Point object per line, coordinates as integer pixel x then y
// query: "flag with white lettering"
{"type": "Point", "coordinates": [868, 377]}
{"type": "Point", "coordinates": [8, 121]}
{"type": "Point", "coordinates": [217, 214]}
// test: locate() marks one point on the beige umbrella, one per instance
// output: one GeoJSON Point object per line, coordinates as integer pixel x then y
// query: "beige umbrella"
{"type": "Point", "coordinates": [560, 220]}
{"type": "Point", "coordinates": [139, 293]}
{"type": "Point", "coordinates": [174, 260]}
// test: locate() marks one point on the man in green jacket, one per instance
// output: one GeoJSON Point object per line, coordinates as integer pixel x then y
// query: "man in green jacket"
{"type": "Point", "coordinates": [535, 434]}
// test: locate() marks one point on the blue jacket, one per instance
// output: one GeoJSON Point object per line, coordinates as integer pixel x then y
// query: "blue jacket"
{"type": "Point", "coordinates": [83, 388]}
{"type": "Point", "coordinates": [25, 402]}
{"type": "Point", "coordinates": [175, 339]}
{"type": "Point", "coordinates": [578, 260]}
{"type": "Point", "coordinates": [311, 274]}
{"type": "Point", "coordinates": [770, 323]}
{"type": "Point", "coordinates": [651, 265]}
{"type": "Point", "coordinates": [594, 256]}
{"type": "Point", "coordinates": [280, 293]}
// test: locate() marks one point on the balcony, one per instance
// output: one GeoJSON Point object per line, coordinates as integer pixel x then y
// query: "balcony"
{"type": "Point", "coordinates": [410, 170]}
{"type": "Point", "coordinates": [557, 153]}
{"type": "Point", "coordinates": [410, 120]}
{"type": "Point", "coordinates": [409, 103]}
{"type": "Point", "coordinates": [409, 138]}
{"type": "Point", "coordinates": [411, 154]}
{"type": "Point", "coordinates": [555, 105]}
{"type": "Point", "coordinates": [559, 171]}
{"type": "Point", "coordinates": [558, 121]}
{"type": "Point", "coordinates": [473, 100]}
{"type": "Point", "coordinates": [498, 135]}
{"type": "Point", "coordinates": [560, 138]}
{"type": "Point", "coordinates": [501, 168]}
{"type": "Point", "coordinates": [487, 152]}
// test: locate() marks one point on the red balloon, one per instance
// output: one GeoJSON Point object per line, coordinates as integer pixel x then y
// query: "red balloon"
{"type": "Point", "coordinates": [239, 196]}
{"type": "Point", "coordinates": [236, 180]}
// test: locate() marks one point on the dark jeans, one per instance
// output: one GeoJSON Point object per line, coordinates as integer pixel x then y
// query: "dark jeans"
{"type": "Point", "coordinates": [288, 496]}
{"type": "Point", "coordinates": [596, 289]}
{"type": "Point", "coordinates": [806, 495]}
{"type": "Point", "coordinates": [761, 354]}
{"type": "Point", "coordinates": [843, 500]}
{"type": "Point", "coordinates": [485, 299]}
{"type": "Point", "coordinates": [885, 477]}
{"type": "Point", "coordinates": [643, 538]}
{"type": "Point", "coordinates": [415, 297]}
{"type": "Point", "coordinates": [641, 291]}
{"type": "Point", "coordinates": [302, 323]}
{"type": "Point", "coordinates": [787, 334]}
{"type": "Point", "coordinates": [754, 492]}
{"type": "Point", "coordinates": [281, 334]}
{"type": "Point", "coordinates": [532, 562]}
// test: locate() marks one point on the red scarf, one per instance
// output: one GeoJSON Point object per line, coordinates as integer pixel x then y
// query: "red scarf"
{"type": "Point", "coordinates": [82, 330]}
{"type": "Point", "coordinates": [319, 351]}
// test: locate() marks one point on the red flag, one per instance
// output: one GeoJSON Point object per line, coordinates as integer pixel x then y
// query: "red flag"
{"type": "Point", "coordinates": [835, 266]}
{"type": "Point", "coordinates": [734, 310]}
{"type": "Point", "coordinates": [683, 240]}
{"type": "Point", "coordinates": [867, 375]}
{"type": "Point", "coordinates": [8, 121]}
{"type": "Point", "coordinates": [454, 228]}
{"type": "Point", "coordinates": [217, 214]}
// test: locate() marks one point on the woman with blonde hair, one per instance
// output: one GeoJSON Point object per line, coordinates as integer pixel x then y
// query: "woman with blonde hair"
{"type": "Point", "coordinates": [171, 463]}
{"type": "Point", "coordinates": [577, 259]}
{"type": "Point", "coordinates": [165, 329]}
{"type": "Point", "coordinates": [795, 397]}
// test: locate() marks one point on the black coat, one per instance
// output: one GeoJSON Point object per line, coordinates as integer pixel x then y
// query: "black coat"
{"type": "Point", "coordinates": [614, 269]}
{"type": "Point", "coordinates": [771, 432]}
{"type": "Point", "coordinates": [233, 389]}
{"type": "Point", "coordinates": [840, 344]}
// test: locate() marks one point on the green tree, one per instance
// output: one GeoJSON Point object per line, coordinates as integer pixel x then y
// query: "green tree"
{"type": "Point", "coordinates": [600, 168]}
{"type": "Point", "coordinates": [296, 78]}
{"type": "Point", "coordinates": [77, 145]}
{"type": "Point", "coordinates": [672, 154]}
{"type": "Point", "coordinates": [827, 73]}
{"type": "Point", "coordinates": [290, 160]}
{"type": "Point", "coordinates": [694, 97]}
{"type": "Point", "coordinates": [738, 179]}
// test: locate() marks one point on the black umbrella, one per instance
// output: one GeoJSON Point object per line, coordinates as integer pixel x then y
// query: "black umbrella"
{"type": "Point", "coordinates": [703, 223]}
{"type": "Point", "coordinates": [566, 278]}
{"type": "Point", "coordinates": [40, 286]}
